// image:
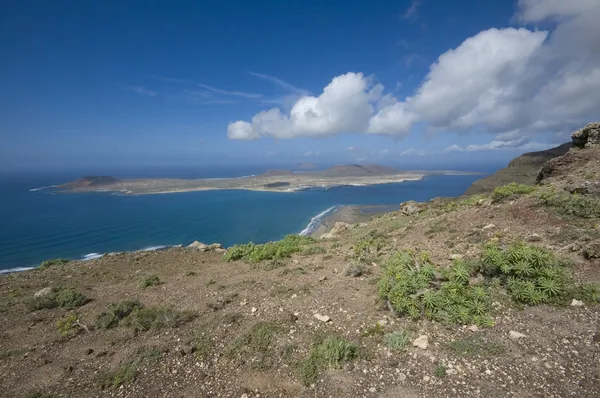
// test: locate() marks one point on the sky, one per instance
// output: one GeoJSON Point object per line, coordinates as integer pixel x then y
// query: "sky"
{"type": "Point", "coordinates": [416, 83]}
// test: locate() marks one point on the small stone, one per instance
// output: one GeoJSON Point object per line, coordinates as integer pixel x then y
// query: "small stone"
{"type": "Point", "coordinates": [253, 310]}
{"type": "Point", "coordinates": [323, 278]}
{"type": "Point", "coordinates": [322, 318]}
{"type": "Point", "coordinates": [89, 351]}
{"type": "Point", "coordinates": [534, 237]}
{"type": "Point", "coordinates": [473, 328]}
{"type": "Point", "coordinates": [515, 335]}
{"type": "Point", "coordinates": [576, 303]}
{"type": "Point", "coordinates": [489, 226]}
{"type": "Point", "coordinates": [426, 378]}
{"type": "Point", "coordinates": [422, 342]}
{"type": "Point", "coordinates": [455, 256]}
{"type": "Point", "coordinates": [372, 390]}
{"type": "Point", "coordinates": [244, 396]}
{"type": "Point", "coordinates": [43, 292]}
{"type": "Point", "coordinates": [401, 377]}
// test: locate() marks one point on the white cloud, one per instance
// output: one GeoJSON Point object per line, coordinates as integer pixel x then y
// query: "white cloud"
{"type": "Point", "coordinates": [351, 148]}
{"type": "Point", "coordinates": [521, 81]}
{"type": "Point", "coordinates": [413, 152]}
{"type": "Point", "coordinates": [142, 90]}
{"type": "Point", "coordinates": [229, 93]}
{"type": "Point", "coordinates": [412, 10]}
{"type": "Point", "coordinates": [521, 144]}
{"type": "Point", "coordinates": [311, 154]}
{"type": "Point", "coordinates": [280, 82]}
{"type": "Point", "coordinates": [241, 131]}
{"type": "Point", "coordinates": [385, 151]}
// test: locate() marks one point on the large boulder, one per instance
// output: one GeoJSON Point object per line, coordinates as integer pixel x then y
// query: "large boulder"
{"type": "Point", "coordinates": [198, 245]}
{"type": "Point", "coordinates": [589, 135]}
{"type": "Point", "coordinates": [410, 207]}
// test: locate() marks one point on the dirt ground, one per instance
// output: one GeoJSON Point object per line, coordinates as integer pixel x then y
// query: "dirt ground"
{"type": "Point", "coordinates": [218, 353]}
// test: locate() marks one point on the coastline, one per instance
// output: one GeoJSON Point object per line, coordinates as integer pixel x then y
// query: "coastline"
{"type": "Point", "coordinates": [351, 214]}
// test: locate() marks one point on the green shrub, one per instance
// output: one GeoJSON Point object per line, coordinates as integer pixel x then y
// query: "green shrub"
{"type": "Point", "coordinates": [357, 269]}
{"type": "Point", "coordinates": [123, 374]}
{"type": "Point", "coordinates": [147, 318]}
{"type": "Point", "coordinates": [309, 251]}
{"type": "Point", "coordinates": [253, 253]}
{"type": "Point", "coordinates": [330, 353]}
{"type": "Point", "coordinates": [568, 204]}
{"type": "Point", "coordinates": [256, 343]}
{"type": "Point", "coordinates": [116, 312]}
{"type": "Point", "coordinates": [375, 330]}
{"type": "Point", "coordinates": [531, 275]}
{"type": "Point", "coordinates": [53, 262]}
{"type": "Point", "coordinates": [409, 284]}
{"type": "Point", "coordinates": [511, 190]}
{"type": "Point", "coordinates": [66, 298]}
{"type": "Point", "coordinates": [475, 346]}
{"type": "Point", "coordinates": [397, 340]}
{"type": "Point", "coordinates": [150, 280]}
{"type": "Point", "coordinates": [369, 246]}
{"type": "Point", "coordinates": [439, 371]}
{"type": "Point", "coordinates": [67, 326]}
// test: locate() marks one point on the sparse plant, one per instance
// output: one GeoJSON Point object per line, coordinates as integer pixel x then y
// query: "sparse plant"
{"type": "Point", "coordinates": [330, 353]}
{"type": "Point", "coordinates": [312, 250]}
{"type": "Point", "coordinates": [565, 203]}
{"type": "Point", "coordinates": [116, 312]}
{"type": "Point", "coordinates": [210, 282]}
{"type": "Point", "coordinates": [475, 346]}
{"type": "Point", "coordinates": [255, 342]}
{"type": "Point", "coordinates": [511, 190]}
{"type": "Point", "coordinates": [66, 298]}
{"type": "Point", "coordinates": [374, 330]}
{"type": "Point", "coordinates": [273, 264]}
{"type": "Point", "coordinates": [369, 246]}
{"type": "Point", "coordinates": [150, 280]}
{"type": "Point", "coordinates": [440, 371]}
{"type": "Point", "coordinates": [357, 269]}
{"type": "Point", "coordinates": [254, 253]}
{"type": "Point", "coordinates": [67, 326]}
{"type": "Point", "coordinates": [397, 340]}
{"type": "Point", "coordinates": [55, 261]}
{"type": "Point", "coordinates": [147, 318]}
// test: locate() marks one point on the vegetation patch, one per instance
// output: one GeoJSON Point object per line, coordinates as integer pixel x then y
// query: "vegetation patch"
{"type": "Point", "coordinates": [330, 353]}
{"type": "Point", "coordinates": [440, 371]}
{"type": "Point", "coordinates": [570, 204]}
{"type": "Point", "coordinates": [312, 250]}
{"type": "Point", "coordinates": [65, 298]}
{"type": "Point", "coordinates": [255, 344]}
{"type": "Point", "coordinates": [414, 286]}
{"type": "Point", "coordinates": [475, 346]}
{"type": "Point", "coordinates": [55, 261]}
{"type": "Point", "coordinates": [510, 191]}
{"type": "Point", "coordinates": [254, 253]}
{"type": "Point", "coordinates": [369, 247]}
{"type": "Point", "coordinates": [116, 312]}
{"type": "Point", "coordinates": [150, 280]}
{"type": "Point", "coordinates": [375, 330]}
{"type": "Point", "coordinates": [397, 340]}
{"type": "Point", "coordinates": [68, 325]}
{"type": "Point", "coordinates": [156, 318]}
{"type": "Point", "coordinates": [357, 269]}
{"type": "Point", "coordinates": [127, 371]}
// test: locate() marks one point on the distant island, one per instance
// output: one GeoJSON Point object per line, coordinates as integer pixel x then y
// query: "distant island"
{"type": "Point", "coordinates": [272, 180]}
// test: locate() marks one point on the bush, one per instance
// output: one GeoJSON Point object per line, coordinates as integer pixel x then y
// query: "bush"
{"type": "Point", "coordinates": [256, 343]}
{"type": "Point", "coordinates": [67, 326]}
{"type": "Point", "coordinates": [271, 250]}
{"type": "Point", "coordinates": [328, 354]}
{"type": "Point", "coordinates": [53, 262]}
{"type": "Point", "coordinates": [397, 340]}
{"type": "Point", "coordinates": [116, 312]}
{"type": "Point", "coordinates": [357, 269]}
{"type": "Point", "coordinates": [369, 246]}
{"type": "Point", "coordinates": [66, 298]}
{"type": "Point", "coordinates": [150, 280]}
{"type": "Point", "coordinates": [144, 319]}
{"type": "Point", "coordinates": [409, 285]}
{"type": "Point", "coordinates": [309, 251]}
{"type": "Point", "coordinates": [568, 204]}
{"type": "Point", "coordinates": [474, 346]}
{"type": "Point", "coordinates": [511, 190]}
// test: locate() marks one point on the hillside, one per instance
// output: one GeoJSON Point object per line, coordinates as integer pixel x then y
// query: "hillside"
{"type": "Point", "coordinates": [522, 169]}
{"type": "Point", "coordinates": [492, 295]}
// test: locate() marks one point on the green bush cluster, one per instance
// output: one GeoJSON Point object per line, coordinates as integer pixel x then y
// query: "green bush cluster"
{"type": "Point", "coordinates": [271, 250]}
{"type": "Point", "coordinates": [510, 190]}
{"type": "Point", "coordinates": [397, 340]}
{"type": "Point", "coordinates": [369, 246]}
{"type": "Point", "coordinates": [65, 298]}
{"type": "Point", "coordinates": [67, 325]}
{"type": "Point", "coordinates": [309, 251]}
{"type": "Point", "coordinates": [415, 287]}
{"type": "Point", "coordinates": [150, 280]}
{"type": "Point", "coordinates": [575, 205]}
{"type": "Point", "coordinates": [256, 343]}
{"type": "Point", "coordinates": [329, 353]}
{"type": "Point", "coordinates": [134, 314]}
{"type": "Point", "coordinates": [531, 275]}
{"type": "Point", "coordinates": [53, 262]}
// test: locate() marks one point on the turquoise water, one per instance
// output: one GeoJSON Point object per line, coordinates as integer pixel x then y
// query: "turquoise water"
{"type": "Point", "coordinates": [37, 225]}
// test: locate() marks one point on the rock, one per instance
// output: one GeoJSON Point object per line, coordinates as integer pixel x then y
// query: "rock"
{"type": "Point", "coordinates": [214, 246]}
{"type": "Point", "coordinates": [455, 256]}
{"type": "Point", "coordinates": [422, 342]}
{"type": "Point", "coordinates": [515, 335]}
{"type": "Point", "coordinates": [322, 278]}
{"type": "Point", "coordinates": [473, 328]}
{"type": "Point", "coordinates": [592, 250]}
{"type": "Point", "coordinates": [89, 351]}
{"type": "Point", "coordinates": [197, 245]}
{"type": "Point", "coordinates": [101, 354]}
{"type": "Point", "coordinates": [409, 208]}
{"type": "Point", "coordinates": [426, 378]}
{"type": "Point", "coordinates": [253, 310]}
{"type": "Point", "coordinates": [534, 237]}
{"type": "Point", "coordinates": [322, 318]}
{"type": "Point", "coordinates": [401, 377]}
{"type": "Point", "coordinates": [372, 390]}
{"type": "Point", "coordinates": [589, 135]}
{"type": "Point", "coordinates": [220, 250]}
{"type": "Point", "coordinates": [43, 292]}
{"type": "Point", "coordinates": [576, 303]}
{"type": "Point", "coordinates": [489, 226]}
{"type": "Point", "coordinates": [338, 228]}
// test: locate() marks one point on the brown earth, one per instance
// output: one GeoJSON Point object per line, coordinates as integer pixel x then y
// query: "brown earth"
{"type": "Point", "coordinates": [218, 353]}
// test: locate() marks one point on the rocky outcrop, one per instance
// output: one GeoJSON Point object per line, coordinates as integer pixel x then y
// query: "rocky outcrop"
{"type": "Point", "coordinates": [203, 247]}
{"type": "Point", "coordinates": [410, 208]}
{"type": "Point", "coordinates": [589, 135]}
{"type": "Point", "coordinates": [338, 228]}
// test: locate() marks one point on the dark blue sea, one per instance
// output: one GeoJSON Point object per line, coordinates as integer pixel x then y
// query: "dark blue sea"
{"type": "Point", "coordinates": [38, 224]}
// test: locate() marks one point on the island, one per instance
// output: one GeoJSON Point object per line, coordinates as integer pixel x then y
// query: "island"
{"type": "Point", "coordinates": [272, 180]}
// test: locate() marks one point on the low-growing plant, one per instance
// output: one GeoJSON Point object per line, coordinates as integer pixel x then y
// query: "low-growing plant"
{"type": "Point", "coordinates": [116, 312]}
{"type": "Point", "coordinates": [150, 280]}
{"type": "Point", "coordinates": [374, 330]}
{"type": "Point", "coordinates": [147, 318]}
{"type": "Point", "coordinates": [369, 246]}
{"type": "Point", "coordinates": [67, 326]}
{"type": "Point", "coordinates": [357, 269]}
{"type": "Point", "coordinates": [66, 298]}
{"type": "Point", "coordinates": [440, 371]}
{"type": "Point", "coordinates": [329, 353]}
{"type": "Point", "coordinates": [311, 250]}
{"type": "Point", "coordinates": [511, 190]}
{"type": "Point", "coordinates": [256, 342]}
{"type": "Point", "coordinates": [53, 262]}
{"type": "Point", "coordinates": [397, 340]}
{"type": "Point", "coordinates": [475, 346]}
{"type": "Point", "coordinates": [253, 253]}
{"type": "Point", "coordinates": [565, 203]}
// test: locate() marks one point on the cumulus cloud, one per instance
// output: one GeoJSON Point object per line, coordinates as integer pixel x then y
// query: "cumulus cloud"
{"type": "Point", "coordinates": [351, 148]}
{"type": "Point", "coordinates": [521, 80]}
{"type": "Point", "coordinates": [413, 152]}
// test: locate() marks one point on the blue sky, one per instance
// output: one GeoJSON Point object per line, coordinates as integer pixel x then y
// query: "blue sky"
{"type": "Point", "coordinates": [413, 83]}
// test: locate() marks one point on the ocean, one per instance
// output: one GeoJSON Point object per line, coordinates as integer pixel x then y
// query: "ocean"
{"type": "Point", "coordinates": [37, 224]}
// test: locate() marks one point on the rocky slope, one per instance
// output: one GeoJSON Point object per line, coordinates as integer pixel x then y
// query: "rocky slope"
{"type": "Point", "coordinates": [334, 317]}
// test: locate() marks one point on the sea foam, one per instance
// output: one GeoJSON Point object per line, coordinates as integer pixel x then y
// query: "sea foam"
{"type": "Point", "coordinates": [16, 269]}
{"type": "Point", "coordinates": [315, 222]}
